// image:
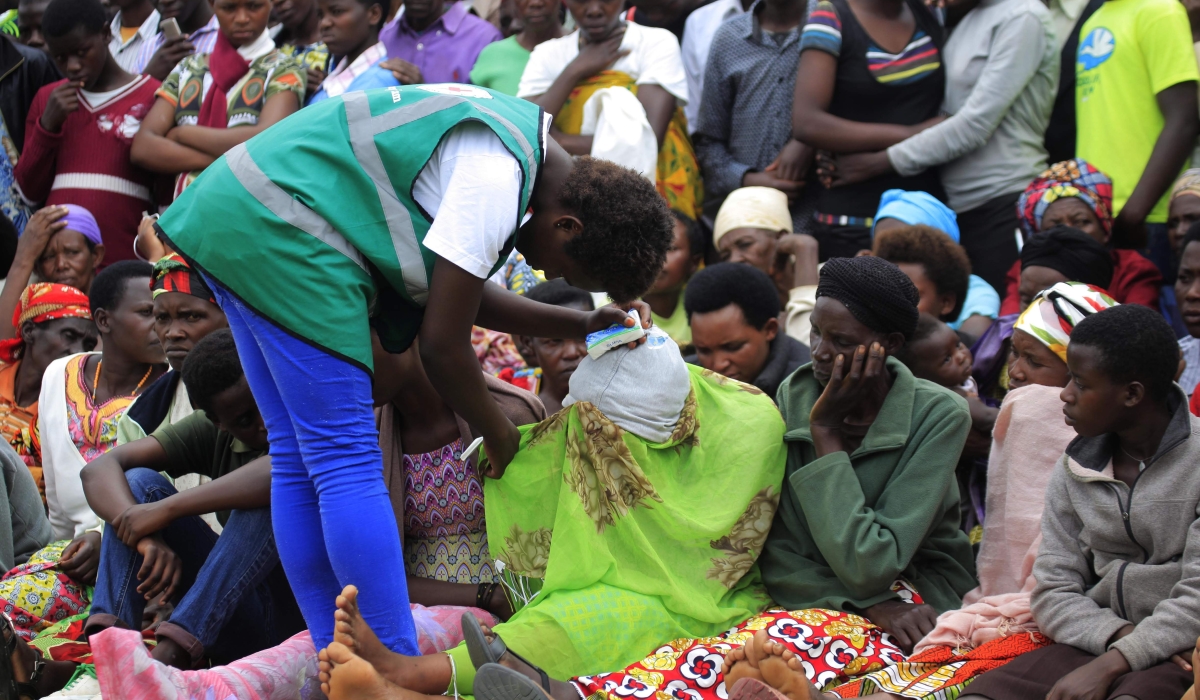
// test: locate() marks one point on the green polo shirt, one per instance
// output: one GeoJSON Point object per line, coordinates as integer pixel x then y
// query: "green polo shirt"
{"type": "Point", "coordinates": [849, 525]}
{"type": "Point", "coordinates": [195, 445]}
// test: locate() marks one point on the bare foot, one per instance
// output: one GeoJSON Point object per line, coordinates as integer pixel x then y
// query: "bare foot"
{"type": "Point", "coordinates": [423, 674]}
{"type": "Point", "coordinates": [782, 670]}
{"type": "Point", "coordinates": [743, 662]}
{"type": "Point", "coordinates": [345, 676]}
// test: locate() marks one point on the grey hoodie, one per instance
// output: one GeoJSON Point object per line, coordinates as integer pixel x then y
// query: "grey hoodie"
{"type": "Point", "coordinates": [1113, 555]}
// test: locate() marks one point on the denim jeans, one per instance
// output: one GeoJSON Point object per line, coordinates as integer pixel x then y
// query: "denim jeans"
{"type": "Point", "coordinates": [235, 601]}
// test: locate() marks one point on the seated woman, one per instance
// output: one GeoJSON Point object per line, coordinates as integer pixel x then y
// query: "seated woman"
{"type": "Point", "coordinates": [605, 52]}
{"type": "Point", "coordinates": [52, 321]}
{"type": "Point", "coordinates": [350, 29]}
{"type": "Point", "coordinates": [897, 208]}
{"type": "Point", "coordinates": [213, 102]}
{"type": "Point", "coordinates": [552, 361]}
{"type": "Point", "coordinates": [61, 244]}
{"type": "Point", "coordinates": [1060, 254]}
{"type": "Point", "coordinates": [870, 76]}
{"type": "Point", "coordinates": [185, 312]}
{"type": "Point", "coordinates": [1078, 195]}
{"type": "Point", "coordinates": [995, 624]}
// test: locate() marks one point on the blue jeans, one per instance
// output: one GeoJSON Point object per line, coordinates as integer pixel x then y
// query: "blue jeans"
{"type": "Point", "coordinates": [235, 599]}
{"type": "Point", "coordinates": [333, 518]}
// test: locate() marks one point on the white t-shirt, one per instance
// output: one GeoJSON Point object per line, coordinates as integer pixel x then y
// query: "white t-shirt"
{"type": "Point", "coordinates": [654, 59]}
{"type": "Point", "coordinates": [479, 181]}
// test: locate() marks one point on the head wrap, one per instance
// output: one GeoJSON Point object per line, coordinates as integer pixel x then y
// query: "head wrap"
{"type": "Point", "coordinates": [915, 208]}
{"type": "Point", "coordinates": [81, 220]}
{"type": "Point", "coordinates": [1072, 252]}
{"type": "Point", "coordinates": [753, 207]}
{"type": "Point", "coordinates": [1056, 311]}
{"type": "Point", "coordinates": [879, 295]}
{"type": "Point", "coordinates": [42, 302]}
{"type": "Point", "coordinates": [173, 274]}
{"type": "Point", "coordinates": [1071, 178]}
{"type": "Point", "coordinates": [1187, 184]}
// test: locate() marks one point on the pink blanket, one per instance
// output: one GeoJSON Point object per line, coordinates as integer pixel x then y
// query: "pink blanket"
{"type": "Point", "coordinates": [286, 672]}
{"type": "Point", "coordinates": [1029, 437]}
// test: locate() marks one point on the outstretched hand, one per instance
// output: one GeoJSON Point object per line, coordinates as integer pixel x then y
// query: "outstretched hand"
{"type": "Point", "coordinates": [618, 315]}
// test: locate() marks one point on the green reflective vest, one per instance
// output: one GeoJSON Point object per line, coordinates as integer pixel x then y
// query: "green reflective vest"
{"type": "Point", "coordinates": [313, 224]}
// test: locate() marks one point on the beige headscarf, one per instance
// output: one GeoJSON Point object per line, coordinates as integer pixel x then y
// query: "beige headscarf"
{"type": "Point", "coordinates": [753, 207]}
{"type": "Point", "coordinates": [1187, 184]}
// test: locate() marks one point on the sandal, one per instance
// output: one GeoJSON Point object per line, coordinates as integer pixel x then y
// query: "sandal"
{"type": "Point", "coordinates": [484, 652]}
{"type": "Point", "coordinates": [9, 686]}
{"type": "Point", "coordinates": [496, 682]}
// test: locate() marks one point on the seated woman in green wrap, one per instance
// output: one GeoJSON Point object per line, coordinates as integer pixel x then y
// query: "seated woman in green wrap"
{"type": "Point", "coordinates": [610, 51]}
{"type": "Point", "coordinates": [636, 514]}
{"type": "Point", "coordinates": [865, 548]}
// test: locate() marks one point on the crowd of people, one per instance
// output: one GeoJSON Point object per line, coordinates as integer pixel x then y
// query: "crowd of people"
{"type": "Point", "coordinates": [302, 395]}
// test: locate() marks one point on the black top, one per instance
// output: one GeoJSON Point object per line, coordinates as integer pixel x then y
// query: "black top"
{"type": "Point", "coordinates": [889, 94]}
{"type": "Point", "coordinates": [23, 71]}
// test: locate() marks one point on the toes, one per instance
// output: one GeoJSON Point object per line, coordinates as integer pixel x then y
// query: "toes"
{"type": "Point", "coordinates": [339, 653]}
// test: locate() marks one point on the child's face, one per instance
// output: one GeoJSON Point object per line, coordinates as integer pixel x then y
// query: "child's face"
{"type": "Point", "coordinates": [931, 302]}
{"type": "Point", "coordinates": [1094, 404]}
{"type": "Point", "coordinates": [235, 411]}
{"type": "Point", "coordinates": [80, 55]}
{"type": "Point", "coordinates": [680, 263]}
{"type": "Point", "coordinates": [942, 358]}
{"type": "Point", "coordinates": [1031, 362]}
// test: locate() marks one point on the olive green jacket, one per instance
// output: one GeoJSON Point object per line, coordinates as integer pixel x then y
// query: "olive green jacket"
{"type": "Point", "coordinates": [848, 526]}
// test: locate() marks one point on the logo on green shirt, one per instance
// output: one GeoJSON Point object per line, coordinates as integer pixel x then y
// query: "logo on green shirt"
{"type": "Point", "coordinates": [1096, 48]}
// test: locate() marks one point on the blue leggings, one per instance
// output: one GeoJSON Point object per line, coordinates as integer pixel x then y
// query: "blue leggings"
{"type": "Point", "coordinates": [330, 509]}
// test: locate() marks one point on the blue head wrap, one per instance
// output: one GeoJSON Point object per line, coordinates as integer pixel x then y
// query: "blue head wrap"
{"type": "Point", "coordinates": [915, 208]}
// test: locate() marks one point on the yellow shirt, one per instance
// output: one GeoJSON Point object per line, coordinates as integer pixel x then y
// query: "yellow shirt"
{"type": "Point", "coordinates": [1129, 51]}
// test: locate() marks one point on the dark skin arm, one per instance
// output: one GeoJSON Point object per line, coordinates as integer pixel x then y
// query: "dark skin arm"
{"type": "Point", "coordinates": [428, 592]}
{"type": "Point", "coordinates": [816, 127]}
{"type": "Point", "coordinates": [155, 152]}
{"type": "Point", "coordinates": [1180, 128]}
{"type": "Point", "coordinates": [459, 300]}
{"type": "Point", "coordinates": [215, 142]}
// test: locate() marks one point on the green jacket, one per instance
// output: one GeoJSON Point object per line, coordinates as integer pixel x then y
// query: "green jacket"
{"type": "Point", "coordinates": [850, 525]}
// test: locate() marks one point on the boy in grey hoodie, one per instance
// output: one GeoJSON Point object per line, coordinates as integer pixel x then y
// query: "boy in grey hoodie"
{"type": "Point", "coordinates": [1118, 573]}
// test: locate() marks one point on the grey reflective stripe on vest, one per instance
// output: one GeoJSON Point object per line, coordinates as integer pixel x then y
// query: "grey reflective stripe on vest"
{"type": "Point", "coordinates": [281, 204]}
{"type": "Point", "coordinates": [363, 129]}
{"type": "Point", "coordinates": [400, 228]}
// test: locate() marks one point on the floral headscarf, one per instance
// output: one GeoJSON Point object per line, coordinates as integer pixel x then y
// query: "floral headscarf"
{"type": "Point", "coordinates": [1055, 312]}
{"type": "Point", "coordinates": [1071, 178]}
{"type": "Point", "coordinates": [45, 301]}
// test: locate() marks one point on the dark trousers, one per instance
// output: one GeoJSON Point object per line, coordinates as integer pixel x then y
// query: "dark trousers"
{"type": "Point", "coordinates": [989, 234]}
{"type": "Point", "coordinates": [840, 241]}
{"type": "Point", "coordinates": [1032, 675]}
{"type": "Point", "coordinates": [236, 600]}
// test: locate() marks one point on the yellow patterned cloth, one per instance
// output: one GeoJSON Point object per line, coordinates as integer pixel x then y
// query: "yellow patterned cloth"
{"type": "Point", "coordinates": [678, 178]}
{"type": "Point", "coordinates": [35, 595]}
{"type": "Point", "coordinates": [93, 428]}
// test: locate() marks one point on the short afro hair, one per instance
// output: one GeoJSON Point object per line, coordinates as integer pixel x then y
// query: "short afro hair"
{"type": "Point", "coordinates": [109, 286]}
{"type": "Point", "coordinates": [945, 262]}
{"type": "Point", "coordinates": [720, 285]}
{"type": "Point", "coordinates": [559, 293]}
{"type": "Point", "coordinates": [1136, 345]}
{"type": "Point", "coordinates": [63, 16]}
{"type": "Point", "coordinates": [695, 235]}
{"type": "Point", "coordinates": [210, 368]}
{"type": "Point", "coordinates": [627, 227]}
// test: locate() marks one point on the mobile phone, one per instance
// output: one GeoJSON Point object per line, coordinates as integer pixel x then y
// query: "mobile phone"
{"type": "Point", "coordinates": [170, 28]}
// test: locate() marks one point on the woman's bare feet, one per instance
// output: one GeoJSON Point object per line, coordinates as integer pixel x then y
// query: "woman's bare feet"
{"type": "Point", "coordinates": [781, 669]}
{"type": "Point", "coordinates": [743, 662]}
{"type": "Point", "coordinates": [423, 674]}
{"type": "Point", "coordinates": [350, 677]}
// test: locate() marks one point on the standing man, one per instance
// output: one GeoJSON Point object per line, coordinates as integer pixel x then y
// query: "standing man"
{"type": "Point", "coordinates": [1135, 100]}
{"type": "Point", "coordinates": [199, 30]}
{"type": "Point", "coordinates": [135, 24]}
{"type": "Point", "coordinates": [432, 187]}
{"type": "Point", "coordinates": [435, 41]}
